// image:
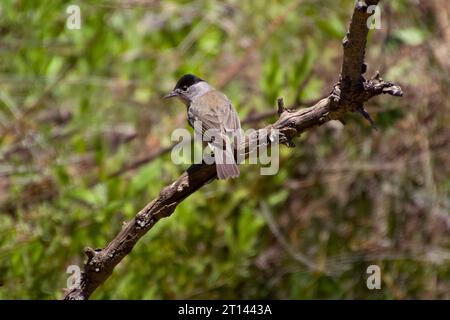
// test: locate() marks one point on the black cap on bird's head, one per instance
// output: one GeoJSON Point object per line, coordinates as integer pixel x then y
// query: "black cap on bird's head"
{"type": "Point", "coordinates": [183, 84]}
{"type": "Point", "coordinates": [186, 81]}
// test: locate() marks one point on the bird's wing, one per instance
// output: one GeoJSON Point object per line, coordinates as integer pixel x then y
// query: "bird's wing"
{"type": "Point", "coordinates": [215, 112]}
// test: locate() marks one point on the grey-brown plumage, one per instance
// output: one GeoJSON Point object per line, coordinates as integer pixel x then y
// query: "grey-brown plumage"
{"type": "Point", "coordinates": [219, 121]}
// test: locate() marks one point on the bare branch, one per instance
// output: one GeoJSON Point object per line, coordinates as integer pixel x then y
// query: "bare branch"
{"type": "Point", "coordinates": [354, 47]}
{"type": "Point", "coordinates": [348, 95]}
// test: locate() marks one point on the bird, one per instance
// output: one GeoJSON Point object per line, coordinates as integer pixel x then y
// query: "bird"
{"type": "Point", "coordinates": [217, 117]}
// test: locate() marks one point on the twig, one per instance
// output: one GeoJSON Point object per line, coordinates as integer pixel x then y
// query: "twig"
{"type": "Point", "coordinates": [296, 255]}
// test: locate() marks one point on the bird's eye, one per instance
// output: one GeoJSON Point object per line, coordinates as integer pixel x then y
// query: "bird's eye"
{"type": "Point", "coordinates": [184, 88]}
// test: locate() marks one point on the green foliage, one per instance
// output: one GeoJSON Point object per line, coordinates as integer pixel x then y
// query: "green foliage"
{"type": "Point", "coordinates": [78, 105]}
{"type": "Point", "coordinates": [411, 36]}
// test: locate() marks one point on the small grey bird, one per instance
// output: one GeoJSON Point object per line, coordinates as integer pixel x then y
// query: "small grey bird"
{"type": "Point", "coordinates": [218, 120]}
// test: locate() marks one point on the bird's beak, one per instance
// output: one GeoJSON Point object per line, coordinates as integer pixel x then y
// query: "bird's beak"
{"type": "Point", "coordinates": [171, 95]}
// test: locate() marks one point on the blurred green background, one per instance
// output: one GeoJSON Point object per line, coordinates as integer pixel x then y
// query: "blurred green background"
{"type": "Point", "coordinates": [84, 132]}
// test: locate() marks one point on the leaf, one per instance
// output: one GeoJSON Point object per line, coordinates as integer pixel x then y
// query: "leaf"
{"type": "Point", "coordinates": [411, 36]}
{"type": "Point", "coordinates": [332, 26]}
{"type": "Point", "coordinates": [272, 78]}
{"type": "Point", "coordinates": [303, 67]}
{"type": "Point", "coordinates": [144, 177]}
{"type": "Point", "coordinates": [96, 196]}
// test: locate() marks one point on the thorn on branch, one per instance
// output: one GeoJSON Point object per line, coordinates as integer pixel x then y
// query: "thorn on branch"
{"type": "Point", "coordinates": [367, 116]}
{"type": "Point", "coordinates": [345, 41]}
{"type": "Point", "coordinates": [335, 94]}
{"type": "Point", "coordinates": [90, 253]}
{"type": "Point", "coordinates": [377, 76]}
{"type": "Point", "coordinates": [287, 141]}
{"type": "Point", "coordinates": [363, 68]}
{"type": "Point", "coordinates": [280, 104]}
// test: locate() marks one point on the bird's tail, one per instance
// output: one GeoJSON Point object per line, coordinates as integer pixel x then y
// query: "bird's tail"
{"type": "Point", "coordinates": [226, 166]}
